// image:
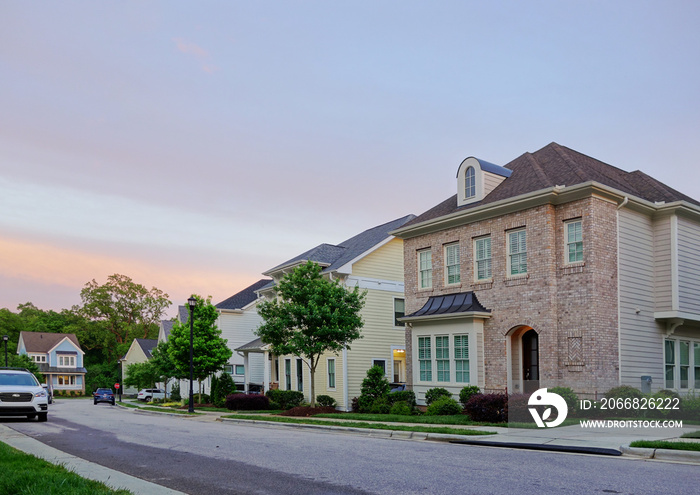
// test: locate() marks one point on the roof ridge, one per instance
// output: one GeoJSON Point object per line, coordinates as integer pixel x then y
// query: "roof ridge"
{"type": "Point", "coordinates": [567, 158]}
{"type": "Point", "coordinates": [538, 170]}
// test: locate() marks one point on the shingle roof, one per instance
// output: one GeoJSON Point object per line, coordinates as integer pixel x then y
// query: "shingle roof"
{"type": "Point", "coordinates": [243, 298]}
{"type": "Point", "coordinates": [556, 165]}
{"type": "Point", "coordinates": [335, 256]}
{"type": "Point", "coordinates": [449, 304]}
{"type": "Point", "coordinates": [253, 345]}
{"type": "Point", "coordinates": [45, 341]}
{"type": "Point", "coordinates": [147, 345]}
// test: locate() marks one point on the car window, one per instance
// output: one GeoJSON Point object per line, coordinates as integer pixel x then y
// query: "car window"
{"type": "Point", "coordinates": [18, 379]}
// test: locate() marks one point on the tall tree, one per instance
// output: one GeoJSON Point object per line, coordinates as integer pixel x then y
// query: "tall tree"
{"type": "Point", "coordinates": [211, 352]}
{"type": "Point", "coordinates": [164, 365]}
{"type": "Point", "coordinates": [141, 375]}
{"type": "Point", "coordinates": [127, 308]}
{"type": "Point", "coordinates": [312, 315]}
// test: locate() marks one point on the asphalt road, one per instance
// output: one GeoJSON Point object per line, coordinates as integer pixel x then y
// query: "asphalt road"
{"type": "Point", "coordinates": [200, 456]}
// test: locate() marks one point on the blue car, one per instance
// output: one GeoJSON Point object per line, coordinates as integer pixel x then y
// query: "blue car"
{"type": "Point", "coordinates": [103, 395]}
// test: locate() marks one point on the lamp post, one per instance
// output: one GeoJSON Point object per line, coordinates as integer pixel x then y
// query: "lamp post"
{"type": "Point", "coordinates": [5, 338]}
{"type": "Point", "coordinates": [191, 302]}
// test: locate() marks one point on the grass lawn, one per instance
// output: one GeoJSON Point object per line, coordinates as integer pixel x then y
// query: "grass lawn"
{"type": "Point", "coordinates": [24, 474]}
{"type": "Point", "coordinates": [691, 434]}
{"type": "Point", "coordinates": [355, 424]}
{"type": "Point", "coordinates": [662, 444]}
{"type": "Point", "coordinates": [457, 419]}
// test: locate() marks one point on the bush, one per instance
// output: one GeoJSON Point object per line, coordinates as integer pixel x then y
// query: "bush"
{"type": "Point", "coordinates": [690, 407]}
{"type": "Point", "coordinates": [569, 396]}
{"type": "Point", "coordinates": [202, 398]}
{"type": "Point", "coordinates": [444, 406]}
{"type": "Point", "coordinates": [401, 408]}
{"type": "Point", "coordinates": [286, 399]}
{"type": "Point", "coordinates": [664, 412]}
{"type": "Point", "coordinates": [407, 396]}
{"type": "Point", "coordinates": [488, 408]}
{"type": "Point", "coordinates": [247, 402]}
{"type": "Point", "coordinates": [355, 405]}
{"type": "Point", "coordinates": [622, 392]}
{"type": "Point", "coordinates": [380, 406]}
{"type": "Point", "coordinates": [375, 385]}
{"type": "Point", "coordinates": [325, 401]}
{"type": "Point", "coordinates": [436, 393]}
{"type": "Point", "coordinates": [466, 393]}
{"type": "Point", "coordinates": [221, 387]}
{"type": "Point", "coordinates": [175, 393]}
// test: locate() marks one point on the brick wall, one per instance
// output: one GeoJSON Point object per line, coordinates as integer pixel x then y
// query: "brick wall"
{"type": "Point", "coordinates": [573, 308]}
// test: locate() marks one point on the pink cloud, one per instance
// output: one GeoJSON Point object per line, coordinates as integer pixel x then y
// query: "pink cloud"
{"type": "Point", "coordinates": [189, 48]}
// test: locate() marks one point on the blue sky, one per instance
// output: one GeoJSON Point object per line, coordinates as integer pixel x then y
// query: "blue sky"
{"type": "Point", "coordinates": [193, 145]}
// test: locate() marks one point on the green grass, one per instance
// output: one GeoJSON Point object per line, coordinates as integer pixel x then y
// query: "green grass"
{"type": "Point", "coordinates": [691, 434]}
{"type": "Point", "coordinates": [24, 474]}
{"type": "Point", "coordinates": [662, 444]}
{"type": "Point", "coordinates": [165, 409]}
{"type": "Point", "coordinates": [457, 419]}
{"type": "Point", "coordinates": [355, 424]}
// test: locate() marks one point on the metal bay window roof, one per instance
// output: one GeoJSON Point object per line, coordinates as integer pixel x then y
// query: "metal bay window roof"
{"type": "Point", "coordinates": [450, 306]}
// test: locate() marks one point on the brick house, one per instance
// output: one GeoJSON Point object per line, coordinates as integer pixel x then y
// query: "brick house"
{"type": "Point", "coordinates": [554, 270]}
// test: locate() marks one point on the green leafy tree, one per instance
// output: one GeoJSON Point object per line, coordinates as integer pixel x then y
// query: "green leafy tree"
{"type": "Point", "coordinates": [141, 375]}
{"type": "Point", "coordinates": [375, 387]}
{"type": "Point", "coordinates": [101, 375]}
{"type": "Point", "coordinates": [211, 352]}
{"type": "Point", "coordinates": [164, 364]}
{"type": "Point", "coordinates": [127, 308]}
{"type": "Point", "coordinates": [23, 361]}
{"type": "Point", "coordinates": [311, 316]}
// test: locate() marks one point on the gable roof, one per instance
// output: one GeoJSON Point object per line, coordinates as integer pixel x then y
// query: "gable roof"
{"type": "Point", "coordinates": [243, 298]}
{"type": "Point", "coordinates": [147, 345]}
{"type": "Point", "coordinates": [332, 257]}
{"type": "Point", "coordinates": [45, 341]}
{"type": "Point", "coordinates": [556, 165]}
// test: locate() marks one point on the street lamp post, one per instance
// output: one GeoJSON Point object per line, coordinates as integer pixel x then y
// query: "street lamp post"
{"type": "Point", "coordinates": [191, 302]}
{"type": "Point", "coordinates": [5, 338]}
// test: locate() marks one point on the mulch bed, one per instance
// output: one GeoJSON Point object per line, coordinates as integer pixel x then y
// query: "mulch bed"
{"type": "Point", "coordinates": [309, 411]}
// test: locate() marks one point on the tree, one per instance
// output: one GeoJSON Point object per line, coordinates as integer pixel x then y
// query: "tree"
{"type": "Point", "coordinates": [211, 352]}
{"type": "Point", "coordinates": [311, 316]}
{"type": "Point", "coordinates": [128, 309]}
{"type": "Point", "coordinates": [164, 365]}
{"type": "Point", "coordinates": [141, 375]}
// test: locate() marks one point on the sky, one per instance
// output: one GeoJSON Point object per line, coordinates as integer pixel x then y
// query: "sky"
{"type": "Point", "coordinates": [193, 145]}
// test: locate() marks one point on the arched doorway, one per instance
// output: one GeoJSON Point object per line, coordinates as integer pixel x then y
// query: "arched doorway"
{"type": "Point", "coordinates": [531, 361]}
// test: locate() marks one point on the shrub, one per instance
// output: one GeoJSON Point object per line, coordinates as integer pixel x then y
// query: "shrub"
{"type": "Point", "coordinates": [488, 408]}
{"type": "Point", "coordinates": [286, 399]}
{"type": "Point", "coordinates": [436, 393]}
{"type": "Point", "coordinates": [375, 385]}
{"type": "Point", "coordinates": [690, 407]}
{"type": "Point", "coordinates": [175, 393]}
{"type": "Point", "coordinates": [202, 398]}
{"type": "Point", "coordinates": [407, 396]}
{"type": "Point", "coordinates": [247, 402]}
{"type": "Point", "coordinates": [466, 393]}
{"type": "Point", "coordinates": [518, 410]}
{"type": "Point", "coordinates": [355, 405]}
{"type": "Point", "coordinates": [325, 401]}
{"type": "Point", "coordinates": [569, 396]}
{"type": "Point", "coordinates": [622, 392]}
{"type": "Point", "coordinates": [380, 406]}
{"type": "Point", "coordinates": [221, 387]}
{"type": "Point", "coordinates": [444, 406]}
{"type": "Point", "coordinates": [401, 408]}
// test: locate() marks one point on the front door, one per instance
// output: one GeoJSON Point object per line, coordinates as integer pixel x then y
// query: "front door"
{"type": "Point", "coordinates": [531, 362]}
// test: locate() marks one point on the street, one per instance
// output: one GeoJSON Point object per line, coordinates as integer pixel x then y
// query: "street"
{"type": "Point", "coordinates": [201, 456]}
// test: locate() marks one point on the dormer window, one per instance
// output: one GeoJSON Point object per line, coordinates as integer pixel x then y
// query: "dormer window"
{"type": "Point", "coordinates": [477, 178]}
{"type": "Point", "coordinates": [469, 183]}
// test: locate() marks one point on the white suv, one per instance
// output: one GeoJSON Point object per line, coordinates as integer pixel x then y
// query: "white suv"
{"type": "Point", "coordinates": [148, 394]}
{"type": "Point", "coordinates": [21, 394]}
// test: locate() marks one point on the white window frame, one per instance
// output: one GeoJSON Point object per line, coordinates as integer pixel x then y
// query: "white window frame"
{"type": "Point", "coordinates": [235, 369]}
{"type": "Point", "coordinates": [521, 243]}
{"type": "Point", "coordinates": [288, 374]}
{"type": "Point", "coordinates": [460, 358]}
{"type": "Point", "coordinates": [228, 368]}
{"type": "Point", "coordinates": [376, 360]}
{"type": "Point", "coordinates": [425, 375]}
{"type": "Point", "coordinates": [452, 261]}
{"type": "Point", "coordinates": [487, 260]}
{"type": "Point", "coordinates": [442, 359]}
{"type": "Point", "coordinates": [425, 266]}
{"type": "Point", "coordinates": [573, 239]}
{"type": "Point", "coordinates": [62, 361]}
{"type": "Point", "coordinates": [299, 375]}
{"type": "Point", "coordinates": [676, 367]}
{"type": "Point", "coordinates": [469, 183]}
{"type": "Point", "coordinates": [398, 324]}
{"type": "Point", "coordinates": [329, 385]}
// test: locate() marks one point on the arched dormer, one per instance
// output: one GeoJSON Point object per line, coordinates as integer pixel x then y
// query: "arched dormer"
{"type": "Point", "coordinates": [476, 178]}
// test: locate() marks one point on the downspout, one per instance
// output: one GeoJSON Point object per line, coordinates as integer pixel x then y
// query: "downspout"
{"type": "Point", "coordinates": [348, 407]}
{"type": "Point", "coordinates": [619, 313]}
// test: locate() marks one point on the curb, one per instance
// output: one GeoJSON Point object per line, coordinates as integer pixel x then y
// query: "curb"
{"type": "Point", "coordinates": [689, 456]}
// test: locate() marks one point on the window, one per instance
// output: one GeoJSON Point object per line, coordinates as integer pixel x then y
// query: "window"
{"type": "Point", "coordinates": [696, 360]}
{"type": "Point", "coordinates": [517, 252]}
{"type": "Point", "coordinates": [381, 363]}
{"type": "Point", "coordinates": [452, 264]}
{"type": "Point", "coordinates": [399, 311]}
{"type": "Point", "coordinates": [425, 359]}
{"type": "Point", "coordinates": [469, 183]}
{"type": "Point", "coordinates": [66, 379]}
{"type": "Point", "coordinates": [300, 375]}
{"type": "Point", "coordinates": [331, 372]}
{"type": "Point", "coordinates": [461, 358]}
{"type": "Point", "coordinates": [425, 268]}
{"type": "Point", "coordinates": [442, 358]}
{"type": "Point", "coordinates": [38, 359]}
{"type": "Point", "coordinates": [670, 357]}
{"type": "Point", "coordinates": [482, 258]}
{"type": "Point", "coordinates": [287, 374]}
{"type": "Point", "coordinates": [684, 359]}
{"type": "Point", "coordinates": [66, 361]}
{"type": "Point", "coordinates": [228, 369]}
{"type": "Point", "coordinates": [574, 242]}
{"type": "Point", "coordinates": [240, 369]}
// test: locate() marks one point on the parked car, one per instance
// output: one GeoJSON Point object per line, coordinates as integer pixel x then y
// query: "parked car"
{"type": "Point", "coordinates": [21, 394]}
{"type": "Point", "coordinates": [48, 392]}
{"type": "Point", "coordinates": [148, 394]}
{"type": "Point", "coordinates": [103, 395]}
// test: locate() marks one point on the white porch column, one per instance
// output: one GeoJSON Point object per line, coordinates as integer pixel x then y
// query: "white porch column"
{"type": "Point", "coordinates": [246, 372]}
{"type": "Point", "coordinates": [266, 371]}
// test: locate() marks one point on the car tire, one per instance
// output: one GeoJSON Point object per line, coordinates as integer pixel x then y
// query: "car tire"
{"type": "Point", "coordinates": [113, 403]}
{"type": "Point", "coordinates": [43, 417]}
{"type": "Point", "coordinates": [148, 399]}
{"type": "Point", "coordinates": [94, 403]}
